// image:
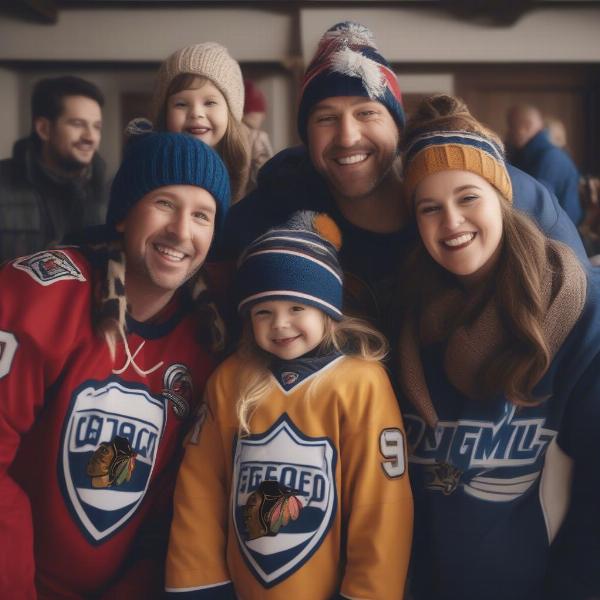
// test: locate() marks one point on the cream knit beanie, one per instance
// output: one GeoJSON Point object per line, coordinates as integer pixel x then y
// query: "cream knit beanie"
{"type": "Point", "coordinates": [210, 60]}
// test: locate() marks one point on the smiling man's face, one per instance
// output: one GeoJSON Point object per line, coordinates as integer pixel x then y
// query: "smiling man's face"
{"type": "Point", "coordinates": [352, 142]}
{"type": "Point", "coordinates": [72, 139]}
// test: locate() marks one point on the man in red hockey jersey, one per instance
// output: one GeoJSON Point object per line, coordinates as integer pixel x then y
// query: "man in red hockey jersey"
{"type": "Point", "coordinates": [103, 356]}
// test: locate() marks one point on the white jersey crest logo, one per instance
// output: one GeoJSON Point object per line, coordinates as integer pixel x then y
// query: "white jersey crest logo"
{"type": "Point", "coordinates": [284, 498]}
{"type": "Point", "coordinates": [100, 411]}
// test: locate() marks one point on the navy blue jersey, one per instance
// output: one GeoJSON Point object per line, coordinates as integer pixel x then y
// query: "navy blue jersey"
{"type": "Point", "coordinates": [506, 497]}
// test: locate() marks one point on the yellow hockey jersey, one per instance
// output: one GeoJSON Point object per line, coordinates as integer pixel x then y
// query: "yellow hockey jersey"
{"type": "Point", "coordinates": [314, 503]}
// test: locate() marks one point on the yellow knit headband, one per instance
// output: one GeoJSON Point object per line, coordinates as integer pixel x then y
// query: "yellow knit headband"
{"type": "Point", "coordinates": [455, 150]}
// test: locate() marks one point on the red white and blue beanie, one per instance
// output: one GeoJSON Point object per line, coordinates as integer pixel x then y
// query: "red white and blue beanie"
{"type": "Point", "coordinates": [347, 63]}
{"type": "Point", "coordinates": [296, 262]}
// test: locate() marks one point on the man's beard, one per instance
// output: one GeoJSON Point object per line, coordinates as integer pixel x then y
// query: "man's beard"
{"type": "Point", "coordinates": [68, 164]}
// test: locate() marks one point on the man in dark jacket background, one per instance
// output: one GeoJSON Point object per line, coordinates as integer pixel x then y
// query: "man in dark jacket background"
{"type": "Point", "coordinates": [53, 186]}
{"type": "Point", "coordinates": [533, 152]}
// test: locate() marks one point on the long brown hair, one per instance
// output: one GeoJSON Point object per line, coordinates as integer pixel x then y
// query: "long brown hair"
{"type": "Point", "coordinates": [515, 285]}
{"type": "Point", "coordinates": [516, 288]}
{"type": "Point", "coordinates": [232, 148]}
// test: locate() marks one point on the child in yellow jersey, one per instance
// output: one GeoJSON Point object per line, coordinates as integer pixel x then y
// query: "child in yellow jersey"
{"type": "Point", "coordinates": [294, 482]}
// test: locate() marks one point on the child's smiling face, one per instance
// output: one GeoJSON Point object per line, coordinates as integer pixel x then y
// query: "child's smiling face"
{"type": "Point", "coordinates": [287, 329]}
{"type": "Point", "coordinates": [200, 110]}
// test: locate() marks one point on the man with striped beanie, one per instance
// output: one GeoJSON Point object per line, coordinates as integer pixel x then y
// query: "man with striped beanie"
{"type": "Point", "coordinates": [351, 121]}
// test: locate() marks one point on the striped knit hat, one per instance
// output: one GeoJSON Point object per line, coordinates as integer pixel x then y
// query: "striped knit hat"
{"type": "Point", "coordinates": [158, 159]}
{"type": "Point", "coordinates": [455, 150]}
{"type": "Point", "coordinates": [210, 60]}
{"type": "Point", "coordinates": [443, 135]}
{"type": "Point", "coordinates": [348, 63]}
{"type": "Point", "coordinates": [294, 262]}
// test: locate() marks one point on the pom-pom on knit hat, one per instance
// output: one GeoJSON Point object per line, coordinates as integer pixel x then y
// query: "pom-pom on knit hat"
{"type": "Point", "coordinates": [296, 262]}
{"type": "Point", "coordinates": [348, 63]}
{"type": "Point", "coordinates": [442, 136]}
{"type": "Point", "coordinates": [254, 99]}
{"type": "Point", "coordinates": [210, 60]}
{"type": "Point", "coordinates": [154, 160]}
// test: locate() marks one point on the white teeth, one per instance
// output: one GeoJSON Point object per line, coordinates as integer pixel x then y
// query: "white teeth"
{"type": "Point", "coordinates": [461, 239]}
{"type": "Point", "coordinates": [350, 160]}
{"type": "Point", "coordinates": [170, 252]}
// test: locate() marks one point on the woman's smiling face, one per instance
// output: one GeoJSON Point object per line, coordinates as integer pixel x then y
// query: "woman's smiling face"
{"type": "Point", "coordinates": [460, 221]}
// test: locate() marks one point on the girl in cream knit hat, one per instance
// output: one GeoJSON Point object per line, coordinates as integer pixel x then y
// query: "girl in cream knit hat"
{"type": "Point", "coordinates": [200, 91]}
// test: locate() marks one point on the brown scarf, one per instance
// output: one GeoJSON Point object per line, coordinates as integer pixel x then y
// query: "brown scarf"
{"type": "Point", "coordinates": [469, 347]}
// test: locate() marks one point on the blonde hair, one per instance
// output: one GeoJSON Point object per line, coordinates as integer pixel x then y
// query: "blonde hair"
{"type": "Point", "coordinates": [350, 336]}
{"type": "Point", "coordinates": [233, 147]}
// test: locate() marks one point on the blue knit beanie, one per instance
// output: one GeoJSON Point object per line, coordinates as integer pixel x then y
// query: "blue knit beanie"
{"type": "Point", "coordinates": [294, 262]}
{"type": "Point", "coordinates": [156, 159]}
{"type": "Point", "coordinates": [347, 63]}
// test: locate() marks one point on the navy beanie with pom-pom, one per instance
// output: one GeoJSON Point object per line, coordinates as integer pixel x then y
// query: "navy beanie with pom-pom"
{"type": "Point", "coordinates": [296, 262]}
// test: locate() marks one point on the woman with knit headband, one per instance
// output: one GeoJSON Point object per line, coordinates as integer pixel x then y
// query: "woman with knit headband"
{"type": "Point", "coordinates": [499, 364]}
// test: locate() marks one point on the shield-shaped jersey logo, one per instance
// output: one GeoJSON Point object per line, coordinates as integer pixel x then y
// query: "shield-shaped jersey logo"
{"type": "Point", "coordinates": [279, 527]}
{"type": "Point", "coordinates": [100, 411]}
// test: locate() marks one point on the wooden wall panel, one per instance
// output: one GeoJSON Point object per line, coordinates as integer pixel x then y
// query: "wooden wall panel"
{"type": "Point", "coordinates": [561, 92]}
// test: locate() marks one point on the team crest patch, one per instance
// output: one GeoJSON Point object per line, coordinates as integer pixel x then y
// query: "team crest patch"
{"type": "Point", "coordinates": [443, 477]}
{"type": "Point", "coordinates": [178, 389]}
{"type": "Point", "coordinates": [112, 463]}
{"type": "Point", "coordinates": [289, 378]}
{"type": "Point", "coordinates": [49, 267]}
{"type": "Point", "coordinates": [108, 451]}
{"type": "Point", "coordinates": [491, 460]}
{"type": "Point", "coordinates": [283, 498]}
{"type": "Point", "coordinates": [269, 509]}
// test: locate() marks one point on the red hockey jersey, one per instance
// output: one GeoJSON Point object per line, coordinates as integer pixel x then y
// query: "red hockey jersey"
{"type": "Point", "coordinates": [63, 400]}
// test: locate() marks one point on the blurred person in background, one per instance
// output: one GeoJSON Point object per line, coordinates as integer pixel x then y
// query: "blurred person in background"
{"type": "Point", "coordinates": [255, 111]}
{"type": "Point", "coordinates": [532, 151]}
{"type": "Point", "coordinates": [54, 184]}
{"type": "Point", "coordinates": [556, 132]}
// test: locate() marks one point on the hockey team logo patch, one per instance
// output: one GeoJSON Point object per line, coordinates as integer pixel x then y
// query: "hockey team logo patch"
{"type": "Point", "coordinates": [493, 461]}
{"type": "Point", "coordinates": [283, 498]}
{"type": "Point", "coordinates": [106, 417]}
{"type": "Point", "coordinates": [178, 388]}
{"type": "Point", "coordinates": [289, 377]}
{"type": "Point", "coordinates": [49, 267]}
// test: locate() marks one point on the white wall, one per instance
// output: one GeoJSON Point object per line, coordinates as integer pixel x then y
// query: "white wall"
{"type": "Point", "coordinates": [433, 35]}
{"type": "Point", "coordinates": [261, 37]}
{"type": "Point", "coordinates": [146, 34]}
